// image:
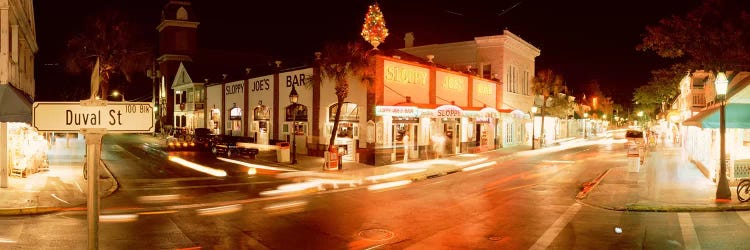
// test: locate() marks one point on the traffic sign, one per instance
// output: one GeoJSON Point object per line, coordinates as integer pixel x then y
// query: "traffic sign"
{"type": "Point", "coordinates": [115, 117]}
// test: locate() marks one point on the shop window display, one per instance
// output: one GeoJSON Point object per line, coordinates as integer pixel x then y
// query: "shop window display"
{"type": "Point", "coordinates": [27, 150]}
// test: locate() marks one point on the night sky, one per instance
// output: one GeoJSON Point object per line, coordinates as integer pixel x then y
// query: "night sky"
{"type": "Point", "coordinates": [582, 40]}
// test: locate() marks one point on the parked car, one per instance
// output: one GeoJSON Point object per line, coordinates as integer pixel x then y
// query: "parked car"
{"type": "Point", "coordinates": [204, 138]}
{"type": "Point", "coordinates": [635, 136]}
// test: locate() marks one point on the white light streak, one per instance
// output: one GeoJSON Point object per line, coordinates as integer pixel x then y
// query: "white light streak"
{"type": "Point", "coordinates": [388, 185]}
{"type": "Point", "coordinates": [198, 167]}
{"type": "Point", "coordinates": [219, 210]}
{"type": "Point", "coordinates": [285, 205]}
{"type": "Point", "coordinates": [158, 198]}
{"type": "Point", "coordinates": [466, 163]}
{"type": "Point", "coordinates": [250, 165]}
{"type": "Point", "coordinates": [483, 165]}
{"type": "Point", "coordinates": [393, 174]}
{"type": "Point", "coordinates": [118, 218]}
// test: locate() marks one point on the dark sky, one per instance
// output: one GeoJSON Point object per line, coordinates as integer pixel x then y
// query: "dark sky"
{"type": "Point", "coordinates": [583, 40]}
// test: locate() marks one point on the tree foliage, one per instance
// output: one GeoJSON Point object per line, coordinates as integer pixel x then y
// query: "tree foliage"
{"type": "Point", "coordinates": [112, 37]}
{"type": "Point", "coordinates": [663, 88]}
{"type": "Point", "coordinates": [560, 106]}
{"type": "Point", "coordinates": [714, 36]}
{"type": "Point", "coordinates": [342, 62]}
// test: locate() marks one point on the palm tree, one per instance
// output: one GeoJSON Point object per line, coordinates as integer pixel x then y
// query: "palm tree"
{"type": "Point", "coordinates": [546, 83]}
{"type": "Point", "coordinates": [341, 62]}
{"type": "Point", "coordinates": [118, 44]}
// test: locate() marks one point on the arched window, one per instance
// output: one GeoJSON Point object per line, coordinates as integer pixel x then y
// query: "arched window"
{"type": "Point", "coordinates": [235, 113]}
{"type": "Point", "coordinates": [296, 112]}
{"type": "Point", "coordinates": [182, 14]}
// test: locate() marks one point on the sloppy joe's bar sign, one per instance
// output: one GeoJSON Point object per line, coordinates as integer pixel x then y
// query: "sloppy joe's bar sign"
{"type": "Point", "coordinates": [401, 79]}
{"type": "Point", "coordinates": [448, 111]}
{"type": "Point", "coordinates": [402, 111]}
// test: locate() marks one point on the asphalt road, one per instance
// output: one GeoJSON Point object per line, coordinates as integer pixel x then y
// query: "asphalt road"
{"type": "Point", "coordinates": [525, 203]}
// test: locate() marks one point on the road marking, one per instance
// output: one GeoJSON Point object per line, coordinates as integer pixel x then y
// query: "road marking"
{"type": "Point", "coordinates": [118, 148]}
{"type": "Point", "coordinates": [689, 236]}
{"type": "Point", "coordinates": [745, 215]}
{"type": "Point", "coordinates": [557, 227]}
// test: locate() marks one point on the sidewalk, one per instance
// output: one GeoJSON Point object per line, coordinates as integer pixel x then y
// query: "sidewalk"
{"type": "Point", "coordinates": [666, 182]}
{"type": "Point", "coordinates": [59, 188]}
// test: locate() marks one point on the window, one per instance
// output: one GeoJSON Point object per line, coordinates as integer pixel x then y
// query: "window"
{"type": "Point", "coordinates": [182, 14]}
{"type": "Point", "coordinates": [487, 71]}
{"type": "Point", "coordinates": [349, 112]}
{"type": "Point", "coordinates": [525, 82]}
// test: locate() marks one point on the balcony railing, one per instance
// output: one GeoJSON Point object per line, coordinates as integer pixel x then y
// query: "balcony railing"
{"type": "Point", "coordinates": [189, 106]}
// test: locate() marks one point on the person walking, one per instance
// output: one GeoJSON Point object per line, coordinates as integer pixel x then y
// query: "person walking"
{"type": "Point", "coordinates": [406, 146]}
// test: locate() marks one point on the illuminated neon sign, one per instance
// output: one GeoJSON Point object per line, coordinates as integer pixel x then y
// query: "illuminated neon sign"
{"type": "Point", "coordinates": [396, 111]}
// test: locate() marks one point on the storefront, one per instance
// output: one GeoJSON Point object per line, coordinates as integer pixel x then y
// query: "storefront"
{"type": "Point", "coordinates": [347, 134]}
{"type": "Point", "coordinates": [22, 148]}
{"type": "Point", "coordinates": [703, 136]}
{"type": "Point", "coordinates": [516, 128]}
{"type": "Point", "coordinates": [440, 112]}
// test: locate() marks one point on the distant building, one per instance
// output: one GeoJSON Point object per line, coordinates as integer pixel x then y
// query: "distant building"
{"type": "Point", "coordinates": [506, 57]}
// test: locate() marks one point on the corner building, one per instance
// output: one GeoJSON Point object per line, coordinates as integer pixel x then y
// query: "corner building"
{"type": "Point", "coordinates": [444, 112]}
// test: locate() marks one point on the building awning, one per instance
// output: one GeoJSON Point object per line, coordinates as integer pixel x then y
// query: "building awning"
{"type": "Point", "coordinates": [15, 106]}
{"type": "Point", "coordinates": [737, 116]}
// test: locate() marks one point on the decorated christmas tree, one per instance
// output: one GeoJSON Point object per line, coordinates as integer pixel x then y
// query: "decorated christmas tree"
{"type": "Point", "coordinates": [374, 30]}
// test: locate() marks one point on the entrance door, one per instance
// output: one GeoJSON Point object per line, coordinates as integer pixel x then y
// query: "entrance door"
{"type": "Point", "coordinates": [452, 130]}
{"type": "Point", "coordinates": [300, 136]}
{"type": "Point", "coordinates": [413, 135]}
{"type": "Point", "coordinates": [261, 131]}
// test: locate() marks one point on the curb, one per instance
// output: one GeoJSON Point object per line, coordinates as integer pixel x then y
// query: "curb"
{"type": "Point", "coordinates": [28, 211]}
{"type": "Point", "coordinates": [588, 186]}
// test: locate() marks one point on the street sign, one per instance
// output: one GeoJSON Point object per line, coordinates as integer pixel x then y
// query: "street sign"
{"type": "Point", "coordinates": [115, 117]}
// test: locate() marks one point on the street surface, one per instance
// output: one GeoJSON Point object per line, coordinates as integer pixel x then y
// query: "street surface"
{"type": "Point", "coordinates": [524, 203]}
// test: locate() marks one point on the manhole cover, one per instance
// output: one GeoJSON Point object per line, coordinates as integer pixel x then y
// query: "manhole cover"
{"type": "Point", "coordinates": [495, 238]}
{"type": "Point", "coordinates": [376, 234]}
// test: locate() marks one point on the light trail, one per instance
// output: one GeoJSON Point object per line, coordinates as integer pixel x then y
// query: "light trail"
{"type": "Point", "coordinates": [197, 167]}
{"type": "Point", "coordinates": [483, 165]}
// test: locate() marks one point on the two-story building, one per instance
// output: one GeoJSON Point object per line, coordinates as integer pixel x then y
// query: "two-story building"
{"type": "Point", "coordinates": [506, 57]}
{"type": "Point", "coordinates": [19, 144]}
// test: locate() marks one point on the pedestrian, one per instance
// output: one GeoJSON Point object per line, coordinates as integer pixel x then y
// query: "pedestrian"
{"type": "Point", "coordinates": [406, 146]}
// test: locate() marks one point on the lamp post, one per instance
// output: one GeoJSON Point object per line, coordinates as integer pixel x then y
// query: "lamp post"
{"type": "Point", "coordinates": [293, 97]}
{"type": "Point", "coordinates": [722, 188]}
{"type": "Point", "coordinates": [155, 74]}
{"type": "Point", "coordinates": [117, 93]}
{"type": "Point", "coordinates": [585, 117]}
{"type": "Point", "coordinates": [533, 127]}
{"type": "Point", "coordinates": [640, 118]}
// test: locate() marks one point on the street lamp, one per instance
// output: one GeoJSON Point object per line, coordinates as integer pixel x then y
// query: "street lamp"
{"type": "Point", "coordinates": [117, 93]}
{"type": "Point", "coordinates": [722, 188]}
{"type": "Point", "coordinates": [533, 127]}
{"type": "Point", "coordinates": [293, 97]}
{"type": "Point", "coordinates": [640, 118]}
{"type": "Point", "coordinates": [585, 117]}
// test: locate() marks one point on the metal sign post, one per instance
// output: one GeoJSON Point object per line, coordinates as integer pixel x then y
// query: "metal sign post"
{"type": "Point", "coordinates": [93, 155]}
{"type": "Point", "coordinates": [94, 119]}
